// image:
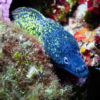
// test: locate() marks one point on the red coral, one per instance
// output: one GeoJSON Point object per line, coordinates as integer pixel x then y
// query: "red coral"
{"type": "Point", "coordinates": [61, 2]}
{"type": "Point", "coordinates": [58, 13]}
{"type": "Point", "coordinates": [87, 58]}
{"type": "Point", "coordinates": [52, 16]}
{"type": "Point", "coordinates": [81, 1]}
{"type": "Point", "coordinates": [66, 7]}
{"type": "Point", "coordinates": [87, 53]}
{"type": "Point", "coordinates": [94, 6]}
{"type": "Point", "coordinates": [97, 39]}
{"type": "Point", "coordinates": [79, 36]}
{"type": "Point", "coordinates": [56, 7]}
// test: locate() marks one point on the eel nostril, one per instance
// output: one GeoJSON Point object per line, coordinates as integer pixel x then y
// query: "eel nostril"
{"type": "Point", "coordinates": [83, 66]}
{"type": "Point", "coordinates": [82, 69]}
{"type": "Point", "coordinates": [78, 70]}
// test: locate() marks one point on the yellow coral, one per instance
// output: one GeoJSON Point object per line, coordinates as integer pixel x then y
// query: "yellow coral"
{"type": "Point", "coordinates": [82, 50]}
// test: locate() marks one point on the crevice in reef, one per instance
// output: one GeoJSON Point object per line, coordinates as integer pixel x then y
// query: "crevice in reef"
{"type": "Point", "coordinates": [18, 3]}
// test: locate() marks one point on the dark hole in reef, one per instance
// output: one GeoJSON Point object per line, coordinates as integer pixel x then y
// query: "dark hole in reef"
{"type": "Point", "coordinates": [91, 89]}
{"type": "Point", "coordinates": [64, 76]}
{"type": "Point", "coordinates": [71, 13]}
{"type": "Point", "coordinates": [97, 45]}
{"type": "Point", "coordinates": [93, 86]}
{"type": "Point", "coordinates": [92, 19]}
{"type": "Point", "coordinates": [18, 3]}
{"type": "Point", "coordinates": [40, 5]}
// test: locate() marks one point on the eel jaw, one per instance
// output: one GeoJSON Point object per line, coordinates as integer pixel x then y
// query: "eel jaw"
{"type": "Point", "coordinates": [78, 73]}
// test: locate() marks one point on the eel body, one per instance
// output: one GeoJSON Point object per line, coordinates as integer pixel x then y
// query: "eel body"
{"type": "Point", "coordinates": [59, 44]}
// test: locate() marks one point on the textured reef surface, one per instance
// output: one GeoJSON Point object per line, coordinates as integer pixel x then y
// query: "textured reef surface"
{"type": "Point", "coordinates": [25, 70]}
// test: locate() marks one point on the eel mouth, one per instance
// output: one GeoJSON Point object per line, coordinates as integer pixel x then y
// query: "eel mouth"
{"type": "Point", "coordinates": [79, 72]}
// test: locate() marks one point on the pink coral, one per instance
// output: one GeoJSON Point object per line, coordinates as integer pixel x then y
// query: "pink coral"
{"type": "Point", "coordinates": [4, 9]}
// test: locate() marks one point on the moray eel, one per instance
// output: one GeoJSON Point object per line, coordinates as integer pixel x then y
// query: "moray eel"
{"type": "Point", "coordinates": [60, 45]}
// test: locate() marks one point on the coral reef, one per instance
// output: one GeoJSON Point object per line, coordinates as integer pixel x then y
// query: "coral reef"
{"type": "Point", "coordinates": [94, 6]}
{"type": "Point", "coordinates": [25, 70]}
{"type": "Point", "coordinates": [85, 28]}
{"type": "Point", "coordinates": [88, 41]}
{"type": "Point", "coordinates": [89, 46]}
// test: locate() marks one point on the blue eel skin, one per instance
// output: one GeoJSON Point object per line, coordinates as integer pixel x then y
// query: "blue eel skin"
{"type": "Point", "coordinates": [60, 45]}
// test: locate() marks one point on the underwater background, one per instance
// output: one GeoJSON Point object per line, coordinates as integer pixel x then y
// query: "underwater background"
{"type": "Point", "coordinates": [27, 72]}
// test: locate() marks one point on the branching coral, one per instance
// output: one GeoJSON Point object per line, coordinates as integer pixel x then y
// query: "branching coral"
{"type": "Point", "coordinates": [25, 70]}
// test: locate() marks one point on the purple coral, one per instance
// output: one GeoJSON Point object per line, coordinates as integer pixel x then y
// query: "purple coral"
{"type": "Point", "coordinates": [4, 9]}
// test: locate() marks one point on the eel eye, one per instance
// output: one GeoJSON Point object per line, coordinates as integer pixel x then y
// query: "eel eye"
{"type": "Point", "coordinates": [65, 60]}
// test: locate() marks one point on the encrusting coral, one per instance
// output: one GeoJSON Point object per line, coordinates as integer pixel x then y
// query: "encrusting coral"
{"type": "Point", "coordinates": [25, 70]}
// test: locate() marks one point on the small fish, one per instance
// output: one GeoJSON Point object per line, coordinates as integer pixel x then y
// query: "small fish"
{"type": "Point", "coordinates": [60, 45]}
